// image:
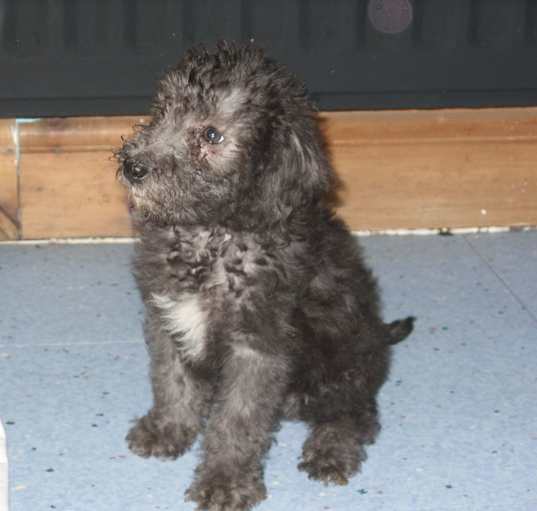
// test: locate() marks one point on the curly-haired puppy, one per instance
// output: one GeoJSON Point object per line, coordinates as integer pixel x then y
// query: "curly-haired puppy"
{"type": "Point", "coordinates": [258, 304]}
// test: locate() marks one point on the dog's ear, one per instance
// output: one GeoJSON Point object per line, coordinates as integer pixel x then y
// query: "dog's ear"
{"type": "Point", "coordinates": [307, 163]}
{"type": "Point", "coordinates": [298, 174]}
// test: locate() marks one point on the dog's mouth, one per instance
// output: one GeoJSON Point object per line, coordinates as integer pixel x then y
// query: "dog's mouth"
{"type": "Point", "coordinates": [136, 198]}
{"type": "Point", "coordinates": [139, 206]}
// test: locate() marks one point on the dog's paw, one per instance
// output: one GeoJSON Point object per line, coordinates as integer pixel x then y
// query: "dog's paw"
{"type": "Point", "coordinates": [146, 439]}
{"type": "Point", "coordinates": [330, 466]}
{"type": "Point", "coordinates": [222, 492]}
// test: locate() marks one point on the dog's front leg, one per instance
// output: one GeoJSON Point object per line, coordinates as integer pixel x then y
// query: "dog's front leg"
{"type": "Point", "coordinates": [239, 430]}
{"type": "Point", "coordinates": [180, 402]}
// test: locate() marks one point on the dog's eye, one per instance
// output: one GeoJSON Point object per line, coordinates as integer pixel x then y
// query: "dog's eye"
{"type": "Point", "coordinates": [213, 136]}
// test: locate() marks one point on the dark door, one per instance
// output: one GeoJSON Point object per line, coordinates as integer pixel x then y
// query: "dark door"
{"type": "Point", "coordinates": [90, 57]}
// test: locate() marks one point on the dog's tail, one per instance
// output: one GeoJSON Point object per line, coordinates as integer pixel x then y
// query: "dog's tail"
{"type": "Point", "coordinates": [400, 329]}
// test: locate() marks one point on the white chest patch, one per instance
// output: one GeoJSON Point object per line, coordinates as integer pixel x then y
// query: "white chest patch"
{"type": "Point", "coordinates": [185, 319]}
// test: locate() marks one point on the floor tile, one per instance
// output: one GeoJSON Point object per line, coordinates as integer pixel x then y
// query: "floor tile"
{"type": "Point", "coordinates": [513, 257]}
{"type": "Point", "coordinates": [458, 411]}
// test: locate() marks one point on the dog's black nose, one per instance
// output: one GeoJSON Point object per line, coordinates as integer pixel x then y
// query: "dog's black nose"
{"type": "Point", "coordinates": [134, 171]}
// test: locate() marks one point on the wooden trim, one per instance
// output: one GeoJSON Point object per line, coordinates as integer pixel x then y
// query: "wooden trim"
{"type": "Point", "coordinates": [436, 169]}
{"type": "Point", "coordinates": [9, 205]}
{"type": "Point", "coordinates": [431, 126]}
{"type": "Point", "coordinates": [76, 134]}
{"type": "Point", "coordinates": [400, 170]}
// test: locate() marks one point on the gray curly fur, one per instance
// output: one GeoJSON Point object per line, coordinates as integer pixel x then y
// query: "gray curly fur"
{"type": "Point", "coordinates": [259, 306]}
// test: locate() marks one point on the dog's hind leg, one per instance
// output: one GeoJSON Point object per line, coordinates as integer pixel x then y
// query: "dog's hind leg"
{"type": "Point", "coordinates": [335, 447]}
{"type": "Point", "coordinates": [343, 419]}
{"type": "Point", "coordinates": [333, 451]}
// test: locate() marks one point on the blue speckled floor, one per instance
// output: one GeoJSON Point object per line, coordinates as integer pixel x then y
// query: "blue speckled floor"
{"type": "Point", "coordinates": [459, 412]}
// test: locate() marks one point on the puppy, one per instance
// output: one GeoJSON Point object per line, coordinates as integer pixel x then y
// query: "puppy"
{"type": "Point", "coordinates": [259, 306]}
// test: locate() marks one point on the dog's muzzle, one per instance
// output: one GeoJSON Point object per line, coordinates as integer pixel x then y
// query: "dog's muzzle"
{"type": "Point", "coordinates": [134, 171]}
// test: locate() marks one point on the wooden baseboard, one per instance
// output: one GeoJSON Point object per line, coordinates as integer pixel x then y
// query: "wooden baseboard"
{"type": "Point", "coordinates": [400, 170]}
{"type": "Point", "coordinates": [9, 206]}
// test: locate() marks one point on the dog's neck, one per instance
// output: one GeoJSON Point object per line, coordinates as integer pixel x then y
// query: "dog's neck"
{"type": "Point", "coordinates": [284, 228]}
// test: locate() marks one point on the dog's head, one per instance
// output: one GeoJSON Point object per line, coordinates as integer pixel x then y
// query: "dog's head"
{"type": "Point", "coordinates": [232, 138]}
